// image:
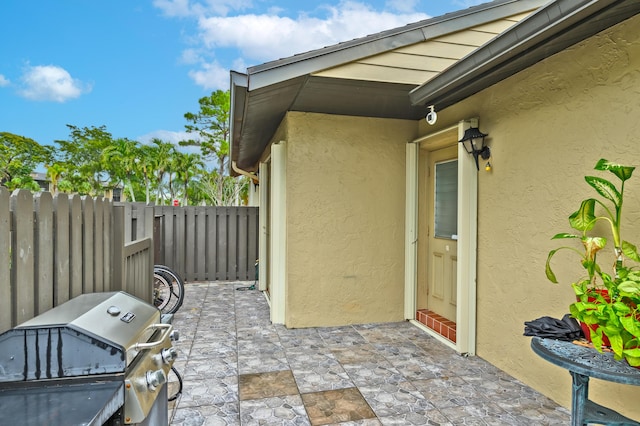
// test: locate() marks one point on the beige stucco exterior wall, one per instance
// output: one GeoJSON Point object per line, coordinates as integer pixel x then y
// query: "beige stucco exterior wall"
{"type": "Point", "coordinates": [548, 126]}
{"type": "Point", "coordinates": [345, 219]}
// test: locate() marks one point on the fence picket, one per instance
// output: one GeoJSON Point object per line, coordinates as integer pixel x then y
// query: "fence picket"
{"type": "Point", "coordinates": [75, 248]}
{"type": "Point", "coordinates": [200, 253]}
{"type": "Point", "coordinates": [22, 259]}
{"type": "Point", "coordinates": [5, 263]}
{"type": "Point", "coordinates": [98, 258]}
{"type": "Point", "coordinates": [189, 249]}
{"type": "Point", "coordinates": [61, 252]}
{"type": "Point", "coordinates": [43, 206]}
{"type": "Point", "coordinates": [88, 254]}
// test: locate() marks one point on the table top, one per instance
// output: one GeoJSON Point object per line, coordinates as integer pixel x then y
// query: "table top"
{"type": "Point", "coordinates": [586, 361]}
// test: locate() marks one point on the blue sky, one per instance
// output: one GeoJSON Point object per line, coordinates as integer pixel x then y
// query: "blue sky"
{"type": "Point", "coordinates": [136, 66]}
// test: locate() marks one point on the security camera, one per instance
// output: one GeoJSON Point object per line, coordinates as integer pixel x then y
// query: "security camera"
{"type": "Point", "coordinates": [431, 116]}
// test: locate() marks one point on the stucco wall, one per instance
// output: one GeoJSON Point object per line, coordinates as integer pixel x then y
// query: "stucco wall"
{"type": "Point", "coordinates": [548, 126]}
{"type": "Point", "coordinates": [345, 219]}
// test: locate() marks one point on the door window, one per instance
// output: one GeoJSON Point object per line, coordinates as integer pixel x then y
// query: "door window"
{"type": "Point", "coordinates": [446, 200]}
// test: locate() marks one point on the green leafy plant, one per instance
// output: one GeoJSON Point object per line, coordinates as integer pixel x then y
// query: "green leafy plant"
{"type": "Point", "coordinates": [607, 303]}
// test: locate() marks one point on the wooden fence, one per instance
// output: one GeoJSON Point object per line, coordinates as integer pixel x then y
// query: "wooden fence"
{"type": "Point", "coordinates": [201, 243]}
{"type": "Point", "coordinates": [55, 248]}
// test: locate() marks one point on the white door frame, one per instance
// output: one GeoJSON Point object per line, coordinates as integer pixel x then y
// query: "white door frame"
{"type": "Point", "coordinates": [467, 241]}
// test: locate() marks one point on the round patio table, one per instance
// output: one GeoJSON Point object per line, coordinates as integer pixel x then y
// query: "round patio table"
{"type": "Point", "coordinates": [583, 363]}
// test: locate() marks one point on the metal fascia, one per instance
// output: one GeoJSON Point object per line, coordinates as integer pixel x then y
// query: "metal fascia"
{"type": "Point", "coordinates": [238, 96]}
{"type": "Point", "coordinates": [543, 25]}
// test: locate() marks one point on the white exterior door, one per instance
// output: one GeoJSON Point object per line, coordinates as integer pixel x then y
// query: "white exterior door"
{"type": "Point", "coordinates": [442, 254]}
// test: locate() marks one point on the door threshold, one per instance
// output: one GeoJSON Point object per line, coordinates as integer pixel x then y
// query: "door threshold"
{"type": "Point", "coordinates": [444, 327]}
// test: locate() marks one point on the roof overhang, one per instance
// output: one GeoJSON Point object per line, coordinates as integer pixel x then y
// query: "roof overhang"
{"type": "Point", "coordinates": [261, 97]}
{"type": "Point", "coordinates": [549, 30]}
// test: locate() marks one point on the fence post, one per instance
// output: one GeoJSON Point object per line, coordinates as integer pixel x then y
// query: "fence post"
{"type": "Point", "coordinates": [5, 256]}
{"type": "Point", "coordinates": [119, 226]}
{"type": "Point", "coordinates": [149, 215]}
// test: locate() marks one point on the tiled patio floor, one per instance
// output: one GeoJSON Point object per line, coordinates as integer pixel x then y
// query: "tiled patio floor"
{"type": "Point", "coordinates": [239, 369]}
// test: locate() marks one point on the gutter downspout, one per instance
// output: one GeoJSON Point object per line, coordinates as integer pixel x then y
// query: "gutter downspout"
{"type": "Point", "coordinates": [250, 175]}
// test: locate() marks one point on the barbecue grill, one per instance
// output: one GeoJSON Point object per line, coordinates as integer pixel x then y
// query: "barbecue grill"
{"type": "Point", "coordinates": [98, 359]}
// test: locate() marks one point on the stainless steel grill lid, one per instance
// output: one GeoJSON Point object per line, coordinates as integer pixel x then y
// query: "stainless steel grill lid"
{"type": "Point", "coordinates": [91, 334]}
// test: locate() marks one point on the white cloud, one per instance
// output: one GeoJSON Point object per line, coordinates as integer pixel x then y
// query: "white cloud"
{"type": "Point", "coordinates": [174, 138]}
{"type": "Point", "coordinates": [183, 8]}
{"type": "Point", "coordinates": [403, 5]}
{"type": "Point", "coordinates": [175, 8]}
{"type": "Point", "coordinates": [51, 83]}
{"type": "Point", "coordinates": [166, 136]}
{"type": "Point", "coordinates": [4, 81]}
{"type": "Point", "coordinates": [191, 56]}
{"type": "Point", "coordinates": [269, 37]}
{"type": "Point", "coordinates": [211, 76]}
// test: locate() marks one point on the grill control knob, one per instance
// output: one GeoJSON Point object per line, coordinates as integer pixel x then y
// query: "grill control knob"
{"type": "Point", "coordinates": [168, 355]}
{"type": "Point", "coordinates": [174, 336]}
{"type": "Point", "coordinates": [155, 379]}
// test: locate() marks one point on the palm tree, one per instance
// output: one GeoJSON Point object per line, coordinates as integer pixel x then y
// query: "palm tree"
{"type": "Point", "coordinates": [144, 167]}
{"type": "Point", "coordinates": [161, 160]}
{"type": "Point", "coordinates": [120, 157]}
{"type": "Point", "coordinates": [54, 172]}
{"type": "Point", "coordinates": [187, 166]}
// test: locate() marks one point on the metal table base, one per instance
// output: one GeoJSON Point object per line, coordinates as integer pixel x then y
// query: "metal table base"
{"type": "Point", "coordinates": [583, 363]}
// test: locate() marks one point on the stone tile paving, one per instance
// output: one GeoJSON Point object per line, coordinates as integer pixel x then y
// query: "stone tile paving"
{"type": "Point", "coordinates": [239, 369]}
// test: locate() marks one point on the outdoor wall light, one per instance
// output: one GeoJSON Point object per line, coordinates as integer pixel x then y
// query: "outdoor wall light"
{"type": "Point", "coordinates": [473, 142]}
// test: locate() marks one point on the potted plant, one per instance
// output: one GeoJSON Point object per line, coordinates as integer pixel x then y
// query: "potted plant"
{"type": "Point", "coordinates": [606, 302]}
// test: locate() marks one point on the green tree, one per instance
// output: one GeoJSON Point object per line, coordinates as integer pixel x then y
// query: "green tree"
{"type": "Point", "coordinates": [211, 124]}
{"type": "Point", "coordinates": [144, 167]}
{"type": "Point", "coordinates": [160, 155]}
{"type": "Point", "coordinates": [120, 160]}
{"type": "Point", "coordinates": [187, 166]}
{"type": "Point", "coordinates": [54, 173]}
{"type": "Point", "coordinates": [82, 160]}
{"type": "Point", "coordinates": [19, 157]}
{"type": "Point", "coordinates": [220, 190]}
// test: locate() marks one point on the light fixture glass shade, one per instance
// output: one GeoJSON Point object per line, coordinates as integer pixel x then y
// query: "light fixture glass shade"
{"type": "Point", "coordinates": [473, 142]}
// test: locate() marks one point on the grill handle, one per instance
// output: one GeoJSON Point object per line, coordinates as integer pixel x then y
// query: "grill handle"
{"type": "Point", "coordinates": [148, 345]}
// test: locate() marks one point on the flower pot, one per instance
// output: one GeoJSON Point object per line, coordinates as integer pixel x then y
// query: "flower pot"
{"type": "Point", "coordinates": [587, 333]}
{"type": "Point", "coordinates": [586, 328]}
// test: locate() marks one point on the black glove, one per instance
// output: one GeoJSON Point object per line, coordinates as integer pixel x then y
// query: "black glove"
{"type": "Point", "coordinates": [551, 328]}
